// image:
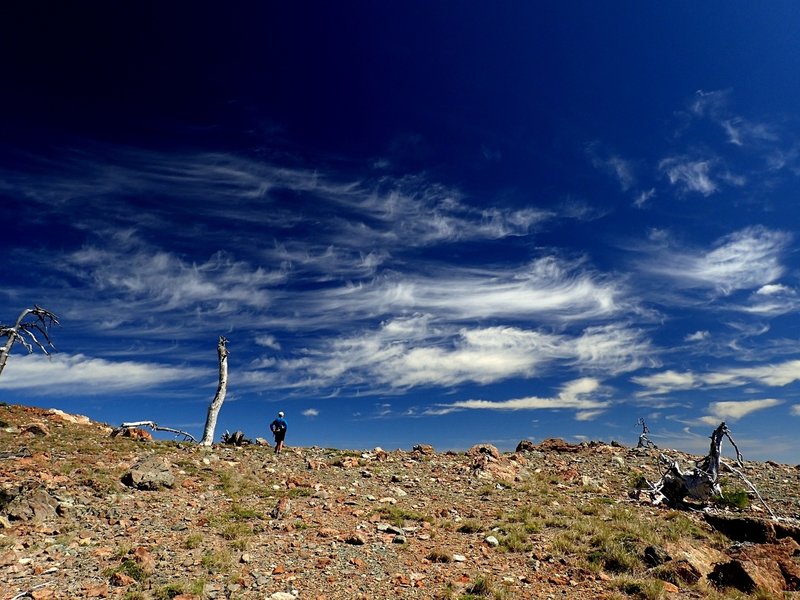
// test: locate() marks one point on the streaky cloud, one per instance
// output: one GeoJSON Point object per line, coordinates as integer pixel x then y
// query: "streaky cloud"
{"type": "Point", "coordinates": [733, 410]}
{"type": "Point", "coordinates": [577, 394]}
{"type": "Point", "coordinates": [63, 373]}
{"type": "Point", "coordinates": [748, 258]}
{"type": "Point", "coordinates": [771, 375]}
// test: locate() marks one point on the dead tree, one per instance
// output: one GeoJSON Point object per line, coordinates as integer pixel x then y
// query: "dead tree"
{"type": "Point", "coordinates": [700, 482]}
{"type": "Point", "coordinates": [644, 441]}
{"type": "Point", "coordinates": [155, 427]}
{"type": "Point", "coordinates": [31, 321]}
{"type": "Point", "coordinates": [219, 398]}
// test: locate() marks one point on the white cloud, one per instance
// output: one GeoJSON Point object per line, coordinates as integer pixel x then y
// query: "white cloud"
{"type": "Point", "coordinates": [741, 132]}
{"type": "Point", "coordinates": [267, 341]}
{"type": "Point", "coordinates": [795, 410]}
{"type": "Point", "coordinates": [771, 300]}
{"type": "Point", "coordinates": [749, 258]}
{"type": "Point", "coordinates": [127, 269]}
{"type": "Point", "coordinates": [736, 409]}
{"type": "Point", "coordinates": [547, 288]}
{"type": "Point", "coordinates": [773, 289]}
{"type": "Point", "coordinates": [642, 197]}
{"type": "Point", "coordinates": [710, 103]}
{"type": "Point", "coordinates": [577, 394]}
{"type": "Point", "coordinates": [420, 351]}
{"type": "Point", "coordinates": [666, 382]}
{"type": "Point", "coordinates": [776, 375]}
{"type": "Point", "coordinates": [64, 373]}
{"type": "Point", "coordinates": [588, 415]}
{"type": "Point", "coordinates": [697, 336]}
{"type": "Point", "coordinates": [689, 175]}
{"type": "Point", "coordinates": [310, 412]}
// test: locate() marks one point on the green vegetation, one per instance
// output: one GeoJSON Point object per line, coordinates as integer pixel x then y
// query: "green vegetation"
{"type": "Point", "coordinates": [438, 556]}
{"type": "Point", "coordinates": [399, 516]}
{"type": "Point", "coordinates": [645, 589]}
{"type": "Point", "coordinates": [131, 568]}
{"type": "Point", "coordinates": [217, 561]}
{"type": "Point", "coordinates": [732, 497]}
{"type": "Point", "coordinates": [469, 526]}
{"type": "Point", "coordinates": [483, 587]}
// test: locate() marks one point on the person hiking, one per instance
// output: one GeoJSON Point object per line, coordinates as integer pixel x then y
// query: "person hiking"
{"type": "Point", "coordinates": [278, 428]}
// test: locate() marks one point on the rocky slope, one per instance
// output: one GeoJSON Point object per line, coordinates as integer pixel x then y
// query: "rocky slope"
{"type": "Point", "coordinates": [87, 515]}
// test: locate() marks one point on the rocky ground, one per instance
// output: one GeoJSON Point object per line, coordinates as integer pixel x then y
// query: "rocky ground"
{"type": "Point", "coordinates": [84, 514]}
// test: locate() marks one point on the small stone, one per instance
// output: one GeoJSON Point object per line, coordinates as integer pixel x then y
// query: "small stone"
{"type": "Point", "coordinates": [670, 588]}
{"type": "Point", "coordinates": [282, 596]}
{"type": "Point", "coordinates": [459, 558]}
{"type": "Point", "coordinates": [38, 429]}
{"type": "Point", "coordinates": [492, 541]}
{"type": "Point", "coordinates": [356, 539]}
{"type": "Point", "coordinates": [399, 539]}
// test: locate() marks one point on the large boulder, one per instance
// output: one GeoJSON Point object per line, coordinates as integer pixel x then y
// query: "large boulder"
{"type": "Point", "coordinates": [484, 449]}
{"type": "Point", "coordinates": [28, 504]}
{"type": "Point", "coordinates": [151, 473]}
{"type": "Point", "coordinates": [525, 446]}
{"type": "Point", "coordinates": [764, 568]}
{"type": "Point", "coordinates": [424, 449]}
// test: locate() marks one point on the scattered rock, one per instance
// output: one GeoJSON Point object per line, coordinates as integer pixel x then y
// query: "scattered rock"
{"type": "Point", "coordinates": [134, 433]}
{"type": "Point", "coordinates": [557, 445]}
{"type": "Point", "coordinates": [37, 429]}
{"type": "Point", "coordinates": [150, 473]}
{"type": "Point", "coordinates": [356, 539]}
{"type": "Point", "coordinates": [484, 449]}
{"type": "Point", "coordinates": [281, 509]}
{"type": "Point", "coordinates": [68, 418]}
{"type": "Point", "coordinates": [741, 528]}
{"type": "Point", "coordinates": [28, 504]}
{"type": "Point", "coordinates": [424, 449]}
{"type": "Point", "coordinates": [525, 446]}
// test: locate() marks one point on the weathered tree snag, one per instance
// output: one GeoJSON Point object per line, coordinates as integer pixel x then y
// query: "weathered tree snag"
{"type": "Point", "coordinates": [235, 439]}
{"type": "Point", "coordinates": [701, 482]}
{"type": "Point", "coordinates": [155, 427]}
{"type": "Point", "coordinates": [644, 441]}
{"type": "Point", "coordinates": [219, 398]}
{"type": "Point", "coordinates": [30, 321]}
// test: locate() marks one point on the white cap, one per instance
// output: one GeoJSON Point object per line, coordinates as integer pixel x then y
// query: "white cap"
{"type": "Point", "coordinates": [280, 414]}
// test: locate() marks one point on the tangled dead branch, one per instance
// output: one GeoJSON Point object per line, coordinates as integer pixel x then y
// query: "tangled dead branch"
{"type": "Point", "coordinates": [644, 441]}
{"type": "Point", "coordinates": [187, 437]}
{"type": "Point", "coordinates": [700, 482]}
{"type": "Point", "coordinates": [31, 325]}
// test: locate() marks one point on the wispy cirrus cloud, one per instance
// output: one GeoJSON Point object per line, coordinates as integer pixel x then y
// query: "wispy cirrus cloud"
{"type": "Point", "coordinates": [581, 395]}
{"type": "Point", "coordinates": [614, 165]}
{"type": "Point", "coordinates": [78, 373]}
{"type": "Point", "coordinates": [385, 211]}
{"type": "Point", "coordinates": [715, 106]}
{"type": "Point", "coordinates": [734, 410]}
{"type": "Point", "coordinates": [132, 271]}
{"type": "Point", "coordinates": [749, 258]}
{"type": "Point", "coordinates": [690, 175]}
{"type": "Point", "coordinates": [420, 351]}
{"type": "Point", "coordinates": [548, 288]}
{"type": "Point", "coordinates": [771, 375]}
{"type": "Point", "coordinates": [771, 300]}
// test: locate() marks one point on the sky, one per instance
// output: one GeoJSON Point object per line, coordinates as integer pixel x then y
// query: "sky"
{"type": "Point", "coordinates": [447, 223]}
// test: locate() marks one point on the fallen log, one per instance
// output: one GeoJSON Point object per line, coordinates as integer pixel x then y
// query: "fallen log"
{"type": "Point", "coordinates": [155, 427]}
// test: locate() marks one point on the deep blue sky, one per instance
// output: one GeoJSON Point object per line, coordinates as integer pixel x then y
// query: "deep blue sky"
{"type": "Point", "coordinates": [415, 222]}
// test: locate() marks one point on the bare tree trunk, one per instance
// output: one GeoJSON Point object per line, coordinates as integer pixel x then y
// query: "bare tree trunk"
{"type": "Point", "coordinates": [219, 398]}
{"type": "Point", "coordinates": [23, 329]}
